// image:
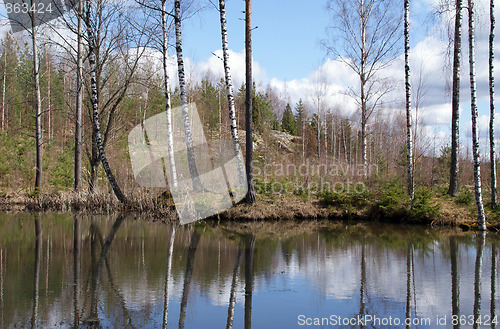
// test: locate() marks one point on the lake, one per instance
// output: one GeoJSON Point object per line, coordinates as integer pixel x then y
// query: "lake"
{"type": "Point", "coordinates": [72, 271]}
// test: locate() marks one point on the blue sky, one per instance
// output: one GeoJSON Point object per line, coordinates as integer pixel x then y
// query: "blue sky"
{"type": "Point", "coordinates": [286, 43]}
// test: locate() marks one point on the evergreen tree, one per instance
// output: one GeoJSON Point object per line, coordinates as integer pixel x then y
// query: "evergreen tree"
{"type": "Point", "coordinates": [288, 122]}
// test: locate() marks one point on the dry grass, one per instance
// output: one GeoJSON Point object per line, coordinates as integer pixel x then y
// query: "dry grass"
{"type": "Point", "coordinates": [91, 203]}
{"type": "Point", "coordinates": [276, 213]}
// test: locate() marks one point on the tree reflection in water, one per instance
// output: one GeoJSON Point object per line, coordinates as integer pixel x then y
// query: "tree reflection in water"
{"type": "Point", "coordinates": [188, 275]}
{"type": "Point", "coordinates": [493, 283]}
{"type": "Point", "coordinates": [168, 273]}
{"type": "Point", "coordinates": [77, 242]}
{"type": "Point", "coordinates": [93, 319]}
{"type": "Point", "coordinates": [36, 276]}
{"type": "Point", "coordinates": [232, 295]}
{"type": "Point", "coordinates": [477, 277]}
{"type": "Point", "coordinates": [455, 281]}
{"type": "Point", "coordinates": [249, 253]}
{"type": "Point", "coordinates": [112, 272]}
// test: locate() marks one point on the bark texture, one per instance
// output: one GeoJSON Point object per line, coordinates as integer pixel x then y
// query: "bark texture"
{"type": "Point", "coordinates": [229, 91]}
{"type": "Point", "coordinates": [248, 103]}
{"type": "Point", "coordinates": [481, 220]}
{"type": "Point", "coordinates": [455, 101]}
{"type": "Point", "coordinates": [492, 105]}
{"type": "Point", "coordinates": [168, 106]}
{"type": "Point", "coordinates": [409, 144]}
{"type": "Point", "coordinates": [193, 170]}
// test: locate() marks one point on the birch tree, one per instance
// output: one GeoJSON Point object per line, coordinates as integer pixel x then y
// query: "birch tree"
{"type": "Point", "coordinates": [365, 36]}
{"type": "Point", "coordinates": [95, 106]}
{"type": "Point", "coordinates": [475, 133]}
{"type": "Point", "coordinates": [193, 170]}
{"type": "Point", "coordinates": [492, 105]}
{"type": "Point", "coordinates": [250, 198]}
{"type": "Point", "coordinates": [120, 38]}
{"type": "Point", "coordinates": [79, 100]}
{"type": "Point", "coordinates": [168, 106]}
{"type": "Point", "coordinates": [409, 146]}
{"type": "Point", "coordinates": [229, 91]}
{"type": "Point", "coordinates": [455, 101]}
{"type": "Point", "coordinates": [38, 99]}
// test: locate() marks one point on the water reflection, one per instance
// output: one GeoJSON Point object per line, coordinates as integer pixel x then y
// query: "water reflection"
{"type": "Point", "coordinates": [493, 281]}
{"type": "Point", "coordinates": [114, 272]}
{"type": "Point", "coordinates": [36, 276]}
{"type": "Point", "coordinates": [168, 274]}
{"type": "Point", "coordinates": [232, 295]}
{"type": "Point", "coordinates": [249, 275]}
{"type": "Point", "coordinates": [455, 286]}
{"type": "Point", "coordinates": [188, 275]}
{"type": "Point", "coordinates": [477, 278]}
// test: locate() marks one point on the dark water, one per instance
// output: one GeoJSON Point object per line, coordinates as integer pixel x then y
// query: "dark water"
{"type": "Point", "coordinates": [67, 271]}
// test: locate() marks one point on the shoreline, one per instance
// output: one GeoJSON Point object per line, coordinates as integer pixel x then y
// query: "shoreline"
{"type": "Point", "coordinates": [272, 208]}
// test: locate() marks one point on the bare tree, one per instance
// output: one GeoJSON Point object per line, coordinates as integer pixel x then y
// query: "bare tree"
{"type": "Point", "coordinates": [79, 100]}
{"type": "Point", "coordinates": [455, 100]}
{"type": "Point", "coordinates": [95, 74]}
{"type": "Point", "coordinates": [248, 103]}
{"type": "Point", "coordinates": [492, 105]}
{"type": "Point", "coordinates": [409, 146]}
{"type": "Point", "coordinates": [368, 32]}
{"type": "Point", "coordinates": [38, 102]}
{"type": "Point", "coordinates": [475, 133]}
{"type": "Point", "coordinates": [118, 36]}
{"type": "Point", "coordinates": [168, 107]}
{"type": "Point", "coordinates": [229, 91]}
{"type": "Point", "coordinates": [193, 170]}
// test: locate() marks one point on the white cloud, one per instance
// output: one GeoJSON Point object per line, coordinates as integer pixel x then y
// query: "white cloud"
{"type": "Point", "coordinates": [215, 65]}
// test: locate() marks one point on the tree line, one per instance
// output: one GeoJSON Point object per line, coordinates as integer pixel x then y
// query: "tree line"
{"type": "Point", "coordinates": [84, 86]}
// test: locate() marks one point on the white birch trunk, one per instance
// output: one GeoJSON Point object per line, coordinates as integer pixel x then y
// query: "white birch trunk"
{"type": "Point", "coordinates": [38, 106]}
{"type": "Point", "coordinates": [168, 107]}
{"type": "Point", "coordinates": [492, 105]}
{"type": "Point", "coordinates": [230, 94]}
{"type": "Point", "coordinates": [409, 146]}
{"type": "Point", "coordinates": [364, 114]}
{"type": "Point", "coordinates": [455, 102]}
{"type": "Point", "coordinates": [79, 101]}
{"type": "Point", "coordinates": [3, 88]}
{"type": "Point", "coordinates": [48, 101]}
{"type": "Point", "coordinates": [475, 136]}
{"type": "Point", "coordinates": [193, 170]}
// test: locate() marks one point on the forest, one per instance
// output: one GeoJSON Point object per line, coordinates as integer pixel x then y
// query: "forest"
{"type": "Point", "coordinates": [72, 88]}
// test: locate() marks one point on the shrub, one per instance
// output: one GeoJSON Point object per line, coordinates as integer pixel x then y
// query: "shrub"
{"type": "Point", "coordinates": [392, 200]}
{"type": "Point", "coordinates": [423, 208]}
{"type": "Point", "coordinates": [465, 197]}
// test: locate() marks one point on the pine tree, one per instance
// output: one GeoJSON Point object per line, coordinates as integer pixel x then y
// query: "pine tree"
{"type": "Point", "coordinates": [288, 122]}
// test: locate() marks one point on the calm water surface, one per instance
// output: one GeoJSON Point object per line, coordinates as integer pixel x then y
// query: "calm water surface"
{"type": "Point", "coordinates": [115, 272]}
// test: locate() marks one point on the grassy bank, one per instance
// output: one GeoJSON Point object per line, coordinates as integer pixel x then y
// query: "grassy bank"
{"type": "Point", "coordinates": [384, 202]}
